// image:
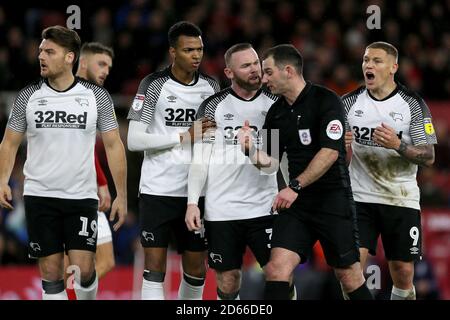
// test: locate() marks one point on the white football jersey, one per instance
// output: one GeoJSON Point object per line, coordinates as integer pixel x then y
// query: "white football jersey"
{"type": "Point", "coordinates": [235, 189]}
{"type": "Point", "coordinates": [168, 107]}
{"type": "Point", "coordinates": [61, 129]}
{"type": "Point", "coordinates": [380, 175]}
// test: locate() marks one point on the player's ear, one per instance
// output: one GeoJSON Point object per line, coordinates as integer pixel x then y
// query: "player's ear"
{"type": "Point", "coordinates": [70, 57]}
{"type": "Point", "coordinates": [228, 73]}
{"type": "Point", "coordinates": [172, 52]}
{"type": "Point", "coordinates": [82, 62]}
{"type": "Point", "coordinates": [394, 68]}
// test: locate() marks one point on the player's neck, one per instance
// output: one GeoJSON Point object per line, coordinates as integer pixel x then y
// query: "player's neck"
{"type": "Point", "coordinates": [82, 74]}
{"type": "Point", "coordinates": [383, 91]}
{"type": "Point", "coordinates": [295, 90]}
{"type": "Point", "coordinates": [62, 82]}
{"type": "Point", "coordinates": [182, 75]}
{"type": "Point", "coordinates": [243, 93]}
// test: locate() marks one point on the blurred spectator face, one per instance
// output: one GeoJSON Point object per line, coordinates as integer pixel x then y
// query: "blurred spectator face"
{"type": "Point", "coordinates": [188, 53]}
{"type": "Point", "coordinates": [15, 37]}
{"type": "Point", "coordinates": [54, 60]}
{"type": "Point", "coordinates": [274, 77]}
{"type": "Point", "coordinates": [341, 75]}
{"type": "Point", "coordinates": [378, 68]}
{"type": "Point", "coordinates": [97, 67]}
{"type": "Point", "coordinates": [245, 70]}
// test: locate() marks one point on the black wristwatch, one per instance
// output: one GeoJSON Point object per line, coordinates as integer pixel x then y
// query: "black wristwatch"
{"type": "Point", "coordinates": [295, 185]}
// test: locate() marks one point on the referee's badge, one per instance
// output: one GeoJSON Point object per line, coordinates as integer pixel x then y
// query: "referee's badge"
{"type": "Point", "coordinates": [138, 102]}
{"type": "Point", "coordinates": [305, 136]}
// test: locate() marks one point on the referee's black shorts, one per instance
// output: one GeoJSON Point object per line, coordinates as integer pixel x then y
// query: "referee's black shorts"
{"type": "Point", "coordinates": [329, 217]}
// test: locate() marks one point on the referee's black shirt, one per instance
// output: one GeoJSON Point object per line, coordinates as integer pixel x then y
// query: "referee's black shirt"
{"type": "Point", "coordinates": [314, 121]}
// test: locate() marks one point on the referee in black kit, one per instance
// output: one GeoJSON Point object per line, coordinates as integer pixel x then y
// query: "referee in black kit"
{"type": "Point", "coordinates": [318, 203]}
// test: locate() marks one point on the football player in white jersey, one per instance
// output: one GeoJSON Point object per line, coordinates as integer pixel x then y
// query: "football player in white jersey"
{"type": "Point", "coordinates": [161, 125]}
{"type": "Point", "coordinates": [60, 115]}
{"type": "Point", "coordinates": [391, 134]}
{"type": "Point", "coordinates": [238, 197]}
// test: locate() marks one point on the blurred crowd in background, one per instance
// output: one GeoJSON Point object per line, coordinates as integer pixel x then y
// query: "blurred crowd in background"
{"type": "Point", "coordinates": [331, 35]}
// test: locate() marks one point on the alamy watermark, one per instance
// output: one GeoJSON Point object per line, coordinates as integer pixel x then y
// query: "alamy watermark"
{"type": "Point", "coordinates": [75, 276]}
{"type": "Point", "coordinates": [373, 274]}
{"type": "Point", "coordinates": [74, 20]}
{"type": "Point", "coordinates": [374, 20]}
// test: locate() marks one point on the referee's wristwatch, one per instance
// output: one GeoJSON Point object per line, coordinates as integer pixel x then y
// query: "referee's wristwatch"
{"type": "Point", "coordinates": [295, 185]}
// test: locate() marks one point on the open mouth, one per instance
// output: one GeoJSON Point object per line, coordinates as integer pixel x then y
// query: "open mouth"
{"type": "Point", "coordinates": [370, 75]}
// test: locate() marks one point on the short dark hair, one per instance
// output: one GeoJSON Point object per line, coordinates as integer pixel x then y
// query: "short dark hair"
{"type": "Point", "coordinates": [387, 47]}
{"type": "Point", "coordinates": [182, 28]}
{"type": "Point", "coordinates": [64, 37]}
{"type": "Point", "coordinates": [236, 48]}
{"type": "Point", "coordinates": [284, 54]}
{"type": "Point", "coordinates": [96, 47]}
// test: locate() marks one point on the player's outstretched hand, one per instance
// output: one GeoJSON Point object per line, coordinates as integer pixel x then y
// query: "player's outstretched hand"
{"type": "Point", "coordinates": [119, 208]}
{"type": "Point", "coordinates": [284, 199]}
{"type": "Point", "coordinates": [5, 196]}
{"type": "Point", "coordinates": [192, 218]}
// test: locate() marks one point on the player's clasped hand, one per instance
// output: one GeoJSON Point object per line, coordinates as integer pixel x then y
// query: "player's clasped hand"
{"type": "Point", "coordinates": [5, 197]}
{"type": "Point", "coordinates": [245, 137]}
{"type": "Point", "coordinates": [196, 131]}
{"type": "Point", "coordinates": [119, 208]}
{"type": "Point", "coordinates": [192, 218]}
{"type": "Point", "coordinates": [386, 137]}
{"type": "Point", "coordinates": [284, 199]}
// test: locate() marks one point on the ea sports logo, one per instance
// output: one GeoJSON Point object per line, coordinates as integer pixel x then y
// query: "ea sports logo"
{"type": "Point", "coordinates": [334, 130]}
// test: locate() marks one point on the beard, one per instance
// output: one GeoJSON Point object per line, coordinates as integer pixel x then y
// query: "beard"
{"type": "Point", "coordinates": [246, 85]}
{"type": "Point", "coordinates": [91, 77]}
